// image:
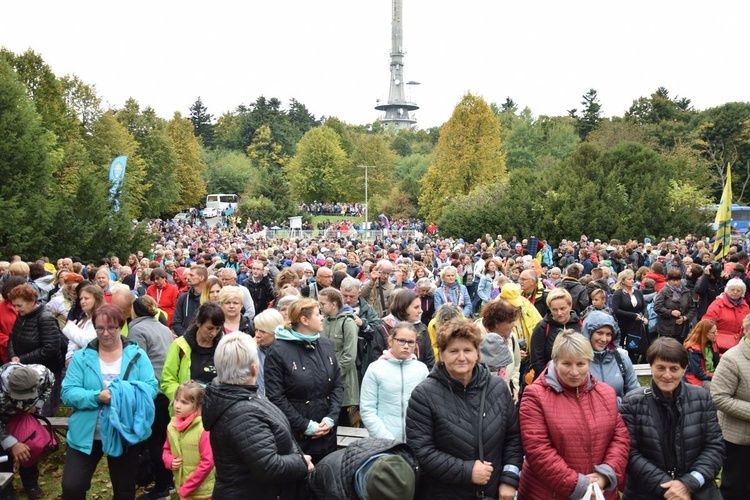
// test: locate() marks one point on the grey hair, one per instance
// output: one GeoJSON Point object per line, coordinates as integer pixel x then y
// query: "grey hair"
{"type": "Point", "coordinates": [570, 342]}
{"type": "Point", "coordinates": [736, 283]}
{"type": "Point", "coordinates": [234, 357]}
{"type": "Point", "coordinates": [447, 312]}
{"type": "Point", "coordinates": [424, 283]}
{"type": "Point", "coordinates": [446, 269]}
{"type": "Point", "coordinates": [349, 284]}
{"type": "Point", "coordinates": [230, 271]}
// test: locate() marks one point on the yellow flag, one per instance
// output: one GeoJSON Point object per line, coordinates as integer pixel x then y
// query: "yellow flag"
{"type": "Point", "coordinates": [723, 220]}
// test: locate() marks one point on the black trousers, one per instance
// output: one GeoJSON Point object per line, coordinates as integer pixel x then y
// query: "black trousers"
{"type": "Point", "coordinates": [80, 467]}
{"type": "Point", "coordinates": [735, 480]}
{"type": "Point", "coordinates": [155, 443]}
{"type": "Point", "coordinates": [29, 477]}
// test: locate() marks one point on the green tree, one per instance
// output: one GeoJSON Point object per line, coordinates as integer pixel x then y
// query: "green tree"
{"type": "Point", "coordinates": [190, 167]}
{"type": "Point", "coordinates": [202, 121]}
{"type": "Point", "coordinates": [82, 100]}
{"type": "Point", "coordinates": [269, 159]}
{"type": "Point", "coordinates": [228, 171]}
{"type": "Point", "coordinates": [374, 150]}
{"type": "Point", "coordinates": [591, 114]}
{"type": "Point", "coordinates": [319, 169]}
{"type": "Point", "coordinates": [108, 140]}
{"type": "Point", "coordinates": [409, 171]}
{"type": "Point", "coordinates": [468, 154]}
{"type": "Point", "coordinates": [25, 170]}
{"type": "Point", "coordinates": [156, 149]}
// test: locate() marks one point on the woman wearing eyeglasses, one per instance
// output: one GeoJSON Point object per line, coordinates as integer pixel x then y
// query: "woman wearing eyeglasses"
{"type": "Point", "coordinates": [93, 387]}
{"type": "Point", "coordinates": [388, 382]}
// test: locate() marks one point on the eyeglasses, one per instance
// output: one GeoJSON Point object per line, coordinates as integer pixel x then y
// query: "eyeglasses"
{"type": "Point", "coordinates": [410, 343]}
{"type": "Point", "coordinates": [109, 329]}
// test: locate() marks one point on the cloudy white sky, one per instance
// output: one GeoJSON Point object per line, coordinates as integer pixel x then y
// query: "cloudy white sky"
{"type": "Point", "coordinates": [333, 55]}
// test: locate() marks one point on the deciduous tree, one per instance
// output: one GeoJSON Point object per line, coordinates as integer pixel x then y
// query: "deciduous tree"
{"type": "Point", "coordinates": [319, 169]}
{"type": "Point", "coordinates": [190, 168]}
{"type": "Point", "coordinates": [468, 154]}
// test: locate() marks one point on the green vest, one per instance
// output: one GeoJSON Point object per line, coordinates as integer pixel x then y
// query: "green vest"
{"type": "Point", "coordinates": [186, 445]}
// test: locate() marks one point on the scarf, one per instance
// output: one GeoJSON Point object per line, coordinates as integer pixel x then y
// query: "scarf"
{"type": "Point", "coordinates": [181, 424]}
{"type": "Point", "coordinates": [735, 302]}
{"type": "Point", "coordinates": [676, 291]}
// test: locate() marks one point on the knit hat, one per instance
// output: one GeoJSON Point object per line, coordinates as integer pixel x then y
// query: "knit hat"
{"type": "Point", "coordinates": [390, 478]}
{"type": "Point", "coordinates": [22, 383]}
{"type": "Point", "coordinates": [495, 352]}
{"type": "Point", "coordinates": [512, 293]}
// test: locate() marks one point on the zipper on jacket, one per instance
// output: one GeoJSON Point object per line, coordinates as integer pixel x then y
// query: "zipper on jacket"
{"type": "Point", "coordinates": [403, 416]}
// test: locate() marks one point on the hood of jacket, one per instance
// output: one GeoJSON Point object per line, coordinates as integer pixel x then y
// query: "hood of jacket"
{"type": "Point", "coordinates": [600, 319]}
{"type": "Point", "coordinates": [574, 319]}
{"type": "Point", "coordinates": [220, 397]}
{"type": "Point", "coordinates": [550, 379]}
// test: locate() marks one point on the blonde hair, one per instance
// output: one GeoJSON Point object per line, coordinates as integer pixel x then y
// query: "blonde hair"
{"type": "Point", "coordinates": [230, 292]}
{"type": "Point", "coordinates": [570, 342]}
{"type": "Point", "coordinates": [559, 293]}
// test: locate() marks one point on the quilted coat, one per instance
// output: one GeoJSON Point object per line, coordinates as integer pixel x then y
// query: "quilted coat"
{"type": "Point", "coordinates": [35, 339]}
{"type": "Point", "coordinates": [333, 477]}
{"type": "Point", "coordinates": [442, 427]}
{"type": "Point", "coordinates": [543, 338]}
{"type": "Point", "coordinates": [730, 389]}
{"type": "Point", "coordinates": [568, 433]}
{"type": "Point", "coordinates": [728, 318]}
{"type": "Point", "coordinates": [254, 450]}
{"type": "Point", "coordinates": [698, 442]}
{"type": "Point", "coordinates": [303, 379]}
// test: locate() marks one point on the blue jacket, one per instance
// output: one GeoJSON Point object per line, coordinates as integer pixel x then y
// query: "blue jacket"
{"type": "Point", "coordinates": [604, 367]}
{"type": "Point", "coordinates": [384, 396]}
{"type": "Point", "coordinates": [485, 287]}
{"type": "Point", "coordinates": [83, 382]}
{"type": "Point", "coordinates": [457, 294]}
{"type": "Point", "coordinates": [128, 417]}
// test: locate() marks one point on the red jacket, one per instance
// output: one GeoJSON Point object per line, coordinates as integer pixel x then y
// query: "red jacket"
{"type": "Point", "coordinates": [660, 279]}
{"type": "Point", "coordinates": [728, 318]}
{"type": "Point", "coordinates": [568, 433]}
{"type": "Point", "coordinates": [8, 316]}
{"type": "Point", "coordinates": [167, 300]}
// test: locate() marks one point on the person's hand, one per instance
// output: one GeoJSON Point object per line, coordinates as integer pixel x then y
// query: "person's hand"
{"type": "Point", "coordinates": [20, 452]}
{"type": "Point", "coordinates": [515, 396]}
{"type": "Point", "coordinates": [680, 320]}
{"type": "Point", "coordinates": [358, 321]}
{"type": "Point", "coordinates": [676, 490]}
{"type": "Point", "coordinates": [375, 275]}
{"type": "Point", "coordinates": [676, 313]}
{"type": "Point", "coordinates": [32, 410]}
{"type": "Point", "coordinates": [176, 463]}
{"type": "Point", "coordinates": [15, 359]}
{"type": "Point", "coordinates": [310, 465]}
{"type": "Point", "coordinates": [523, 354]}
{"type": "Point", "coordinates": [506, 492]}
{"type": "Point", "coordinates": [323, 429]}
{"type": "Point", "coordinates": [481, 473]}
{"type": "Point", "coordinates": [105, 396]}
{"type": "Point", "coordinates": [599, 479]}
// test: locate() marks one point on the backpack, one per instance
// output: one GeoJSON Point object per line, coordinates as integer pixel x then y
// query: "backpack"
{"type": "Point", "coordinates": [27, 429]}
{"type": "Point", "coordinates": [364, 350]}
{"type": "Point", "coordinates": [653, 318]}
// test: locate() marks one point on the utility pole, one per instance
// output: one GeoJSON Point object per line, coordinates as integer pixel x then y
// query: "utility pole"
{"type": "Point", "coordinates": [367, 206]}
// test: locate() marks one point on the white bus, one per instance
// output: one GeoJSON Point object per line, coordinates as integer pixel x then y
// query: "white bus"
{"type": "Point", "coordinates": [221, 202]}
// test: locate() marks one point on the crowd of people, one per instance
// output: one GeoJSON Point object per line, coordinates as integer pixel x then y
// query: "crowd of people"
{"type": "Point", "coordinates": [221, 364]}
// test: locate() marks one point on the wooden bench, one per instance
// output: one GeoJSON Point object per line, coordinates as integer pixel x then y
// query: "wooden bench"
{"type": "Point", "coordinates": [344, 435]}
{"type": "Point", "coordinates": [642, 370]}
{"type": "Point", "coordinates": [347, 435]}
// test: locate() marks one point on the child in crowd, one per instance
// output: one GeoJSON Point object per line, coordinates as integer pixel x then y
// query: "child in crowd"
{"type": "Point", "coordinates": [187, 451]}
{"type": "Point", "coordinates": [598, 303]}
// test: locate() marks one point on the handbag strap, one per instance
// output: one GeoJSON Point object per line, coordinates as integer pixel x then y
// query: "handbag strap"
{"type": "Point", "coordinates": [480, 431]}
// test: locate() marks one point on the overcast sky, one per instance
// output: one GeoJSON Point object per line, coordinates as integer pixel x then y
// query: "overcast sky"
{"type": "Point", "coordinates": [333, 55]}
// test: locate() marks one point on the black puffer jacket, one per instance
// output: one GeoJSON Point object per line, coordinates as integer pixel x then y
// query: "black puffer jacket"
{"type": "Point", "coordinates": [333, 476]}
{"type": "Point", "coordinates": [442, 427]}
{"type": "Point", "coordinates": [36, 338]}
{"type": "Point", "coordinates": [254, 450]}
{"type": "Point", "coordinates": [261, 292]}
{"type": "Point", "coordinates": [697, 437]}
{"type": "Point", "coordinates": [577, 292]}
{"type": "Point", "coordinates": [304, 381]}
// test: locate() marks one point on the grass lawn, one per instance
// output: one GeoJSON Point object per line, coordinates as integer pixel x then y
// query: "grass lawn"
{"type": "Point", "coordinates": [334, 218]}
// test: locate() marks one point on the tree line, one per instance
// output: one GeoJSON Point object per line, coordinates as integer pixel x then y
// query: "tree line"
{"type": "Point", "coordinates": [489, 168]}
